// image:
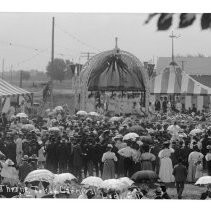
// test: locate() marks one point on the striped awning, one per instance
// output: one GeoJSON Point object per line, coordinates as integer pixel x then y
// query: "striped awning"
{"type": "Point", "coordinates": [175, 81]}
{"type": "Point", "coordinates": [7, 89]}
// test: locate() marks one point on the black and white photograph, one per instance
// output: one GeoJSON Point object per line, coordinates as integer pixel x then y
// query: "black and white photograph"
{"type": "Point", "coordinates": [105, 105]}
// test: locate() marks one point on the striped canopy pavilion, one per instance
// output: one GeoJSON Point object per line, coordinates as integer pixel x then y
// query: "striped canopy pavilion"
{"type": "Point", "coordinates": [175, 81]}
{"type": "Point", "coordinates": [7, 90]}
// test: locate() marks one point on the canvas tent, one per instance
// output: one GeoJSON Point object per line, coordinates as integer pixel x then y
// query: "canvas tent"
{"type": "Point", "coordinates": [172, 80]}
{"type": "Point", "coordinates": [7, 90]}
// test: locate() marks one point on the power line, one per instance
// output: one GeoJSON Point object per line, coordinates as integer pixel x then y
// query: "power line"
{"type": "Point", "coordinates": [75, 38]}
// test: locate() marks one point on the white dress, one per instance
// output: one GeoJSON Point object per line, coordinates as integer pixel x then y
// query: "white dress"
{"type": "Point", "coordinates": [166, 167]}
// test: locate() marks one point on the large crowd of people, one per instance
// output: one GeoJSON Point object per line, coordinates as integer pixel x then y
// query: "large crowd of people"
{"type": "Point", "coordinates": [176, 146]}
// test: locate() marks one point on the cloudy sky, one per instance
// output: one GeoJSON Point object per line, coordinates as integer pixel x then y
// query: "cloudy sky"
{"type": "Point", "coordinates": [25, 38]}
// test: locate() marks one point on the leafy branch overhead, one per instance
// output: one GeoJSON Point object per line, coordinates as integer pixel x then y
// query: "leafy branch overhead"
{"type": "Point", "coordinates": [165, 20]}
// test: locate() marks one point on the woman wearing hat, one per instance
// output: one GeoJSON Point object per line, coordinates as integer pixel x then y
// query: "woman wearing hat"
{"type": "Point", "coordinates": [109, 166]}
{"type": "Point", "coordinates": [193, 158]}
{"type": "Point", "coordinates": [208, 160]}
{"type": "Point", "coordinates": [147, 158]}
{"type": "Point", "coordinates": [166, 168]}
{"type": "Point", "coordinates": [9, 173]}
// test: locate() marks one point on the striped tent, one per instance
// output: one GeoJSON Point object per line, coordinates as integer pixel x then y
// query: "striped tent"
{"type": "Point", "coordinates": [7, 89]}
{"type": "Point", "coordinates": [175, 81]}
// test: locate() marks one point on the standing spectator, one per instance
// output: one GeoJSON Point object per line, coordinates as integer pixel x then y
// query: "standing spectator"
{"type": "Point", "coordinates": [25, 168]}
{"type": "Point", "coordinates": [166, 167]}
{"type": "Point", "coordinates": [157, 105]}
{"type": "Point", "coordinates": [77, 160]}
{"type": "Point", "coordinates": [208, 160]}
{"type": "Point", "coordinates": [180, 174]}
{"type": "Point", "coordinates": [164, 105]}
{"type": "Point", "coordinates": [62, 155]}
{"type": "Point", "coordinates": [192, 159]}
{"type": "Point", "coordinates": [19, 149]}
{"type": "Point", "coordinates": [199, 169]}
{"type": "Point", "coordinates": [127, 153]}
{"type": "Point", "coordinates": [109, 166]}
{"type": "Point", "coordinates": [147, 158]}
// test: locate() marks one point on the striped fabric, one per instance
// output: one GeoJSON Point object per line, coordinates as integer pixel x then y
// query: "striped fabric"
{"type": "Point", "coordinates": [174, 81]}
{"type": "Point", "coordinates": [7, 89]}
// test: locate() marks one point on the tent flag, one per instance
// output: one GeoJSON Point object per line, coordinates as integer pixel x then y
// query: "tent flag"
{"type": "Point", "coordinates": [175, 81]}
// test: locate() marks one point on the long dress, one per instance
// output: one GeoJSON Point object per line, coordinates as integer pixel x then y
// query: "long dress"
{"type": "Point", "coordinates": [208, 160]}
{"type": "Point", "coordinates": [109, 165]}
{"type": "Point", "coordinates": [146, 161]}
{"type": "Point", "coordinates": [166, 168]}
{"type": "Point", "coordinates": [192, 159]}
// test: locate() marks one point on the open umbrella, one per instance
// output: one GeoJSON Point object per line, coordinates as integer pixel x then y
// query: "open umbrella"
{"type": "Point", "coordinates": [62, 178]}
{"type": "Point", "coordinates": [130, 136]}
{"type": "Point", "coordinates": [115, 119]}
{"type": "Point", "coordinates": [146, 139]}
{"type": "Point", "coordinates": [22, 115]}
{"type": "Point", "coordinates": [28, 127]}
{"type": "Point", "coordinates": [195, 131]}
{"type": "Point", "coordinates": [40, 175]}
{"type": "Point", "coordinates": [54, 129]}
{"type": "Point", "coordinates": [140, 176]}
{"type": "Point", "coordinates": [114, 184]}
{"type": "Point", "coordinates": [93, 181]}
{"type": "Point", "coordinates": [137, 129]}
{"type": "Point", "coordinates": [94, 114]}
{"type": "Point", "coordinates": [81, 113]}
{"type": "Point", "coordinates": [203, 180]}
{"type": "Point", "coordinates": [126, 181]}
{"type": "Point", "coordinates": [58, 108]}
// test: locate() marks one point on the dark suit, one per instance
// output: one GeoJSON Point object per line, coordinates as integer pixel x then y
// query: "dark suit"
{"type": "Point", "coordinates": [180, 174]}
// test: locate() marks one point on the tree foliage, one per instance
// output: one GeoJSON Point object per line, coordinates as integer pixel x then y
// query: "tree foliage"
{"type": "Point", "coordinates": [56, 70]}
{"type": "Point", "coordinates": [165, 20]}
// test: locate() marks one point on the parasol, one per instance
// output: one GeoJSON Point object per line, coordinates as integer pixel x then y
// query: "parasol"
{"type": "Point", "coordinates": [58, 108]}
{"type": "Point", "coordinates": [137, 129]}
{"type": "Point", "coordinates": [130, 136]}
{"type": "Point", "coordinates": [94, 114]}
{"type": "Point", "coordinates": [195, 131]}
{"type": "Point", "coordinates": [28, 127]}
{"type": "Point", "coordinates": [203, 180]}
{"type": "Point", "coordinates": [22, 115]}
{"type": "Point", "coordinates": [126, 181]}
{"type": "Point", "coordinates": [114, 184]}
{"type": "Point", "coordinates": [82, 113]}
{"type": "Point", "coordinates": [115, 119]}
{"type": "Point", "coordinates": [93, 181]}
{"type": "Point", "coordinates": [146, 139]}
{"type": "Point", "coordinates": [62, 178]}
{"type": "Point", "coordinates": [54, 129]}
{"type": "Point", "coordinates": [40, 175]}
{"type": "Point", "coordinates": [140, 176]}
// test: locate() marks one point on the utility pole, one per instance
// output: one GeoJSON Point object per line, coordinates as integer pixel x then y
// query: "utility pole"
{"type": "Point", "coordinates": [2, 75]}
{"type": "Point", "coordinates": [173, 36]}
{"type": "Point", "coordinates": [11, 73]}
{"type": "Point", "coordinates": [87, 55]}
{"type": "Point", "coordinates": [21, 73]}
{"type": "Point", "coordinates": [52, 59]}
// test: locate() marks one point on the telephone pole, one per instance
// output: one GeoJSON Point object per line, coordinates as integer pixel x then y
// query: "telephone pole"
{"type": "Point", "coordinates": [173, 36]}
{"type": "Point", "coordinates": [2, 75]}
{"type": "Point", "coordinates": [52, 59]}
{"type": "Point", "coordinates": [11, 73]}
{"type": "Point", "coordinates": [21, 73]}
{"type": "Point", "coordinates": [87, 55]}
